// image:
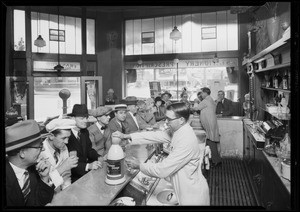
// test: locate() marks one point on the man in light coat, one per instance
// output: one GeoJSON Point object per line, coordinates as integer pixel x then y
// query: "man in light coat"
{"type": "Point", "coordinates": [183, 164]}
{"type": "Point", "coordinates": [209, 122]}
{"type": "Point", "coordinates": [57, 152]}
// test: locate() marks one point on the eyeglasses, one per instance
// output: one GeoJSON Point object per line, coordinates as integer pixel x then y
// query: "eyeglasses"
{"type": "Point", "coordinates": [37, 147]}
{"type": "Point", "coordinates": [169, 119]}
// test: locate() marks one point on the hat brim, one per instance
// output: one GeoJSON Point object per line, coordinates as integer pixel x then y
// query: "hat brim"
{"type": "Point", "coordinates": [170, 95]}
{"type": "Point", "coordinates": [18, 144]}
{"type": "Point", "coordinates": [81, 115]}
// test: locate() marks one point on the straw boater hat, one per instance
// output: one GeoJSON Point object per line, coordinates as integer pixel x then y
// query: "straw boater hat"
{"type": "Point", "coordinates": [100, 111]}
{"type": "Point", "coordinates": [62, 124]}
{"type": "Point", "coordinates": [79, 110]}
{"type": "Point", "coordinates": [22, 134]}
{"type": "Point", "coordinates": [120, 107]}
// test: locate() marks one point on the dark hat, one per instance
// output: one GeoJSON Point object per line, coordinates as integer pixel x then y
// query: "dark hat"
{"type": "Point", "coordinates": [120, 107]}
{"type": "Point", "coordinates": [100, 111]}
{"type": "Point", "coordinates": [166, 92]}
{"type": "Point", "coordinates": [130, 100]}
{"type": "Point", "coordinates": [79, 110]}
{"type": "Point", "coordinates": [21, 134]}
{"type": "Point", "coordinates": [158, 98]}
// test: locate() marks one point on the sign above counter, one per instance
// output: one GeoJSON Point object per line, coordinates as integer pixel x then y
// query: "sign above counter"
{"type": "Point", "coordinates": [198, 63]}
{"type": "Point", "coordinates": [49, 66]}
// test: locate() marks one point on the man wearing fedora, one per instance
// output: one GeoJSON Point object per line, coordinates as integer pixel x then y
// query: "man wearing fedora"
{"type": "Point", "coordinates": [80, 141]}
{"type": "Point", "coordinates": [166, 98]}
{"type": "Point", "coordinates": [56, 151]}
{"type": "Point", "coordinates": [118, 123]}
{"type": "Point", "coordinates": [131, 120]}
{"type": "Point", "coordinates": [100, 134]}
{"type": "Point", "coordinates": [27, 177]}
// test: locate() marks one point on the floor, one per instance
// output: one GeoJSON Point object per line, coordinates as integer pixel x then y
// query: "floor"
{"type": "Point", "coordinates": [229, 184]}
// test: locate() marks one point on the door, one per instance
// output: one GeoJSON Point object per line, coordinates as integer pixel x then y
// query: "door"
{"type": "Point", "coordinates": [91, 91]}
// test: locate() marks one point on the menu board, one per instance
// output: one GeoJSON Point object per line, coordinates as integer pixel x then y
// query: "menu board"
{"type": "Point", "coordinates": [155, 89]}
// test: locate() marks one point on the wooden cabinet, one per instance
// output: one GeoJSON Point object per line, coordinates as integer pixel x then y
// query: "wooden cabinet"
{"type": "Point", "coordinates": [270, 192]}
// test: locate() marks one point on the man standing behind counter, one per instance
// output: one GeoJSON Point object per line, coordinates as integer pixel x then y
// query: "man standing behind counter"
{"type": "Point", "coordinates": [224, 106]}
{"type": "Point", "coordinates": [80, 141]}
{"type": "Point", "coordinates": [183, 164]}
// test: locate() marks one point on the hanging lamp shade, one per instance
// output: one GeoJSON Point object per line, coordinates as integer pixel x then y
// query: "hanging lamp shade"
{"type": "Point", "coordinates": [58, 67]}
{"type": "Point", "coordinates": [140, 62]}
{"type": "Point", "coordinates": [216, 59]}
{"type": "Point", "coordinates": [175, 34]}
{"type": "Point", "coordinates": [40, 42]}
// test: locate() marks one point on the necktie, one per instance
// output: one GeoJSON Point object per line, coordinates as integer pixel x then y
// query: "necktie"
{"type": "Point", "coordinates": [78, 135]}
{"type": "Point", "coordinates": [26, 186]}
{"type": "Point", "coordinates": [56, 153]}
{"type": "Point", "coordinates": [123, 128]}
{"type": "Point", "coordinates": [103, 128]}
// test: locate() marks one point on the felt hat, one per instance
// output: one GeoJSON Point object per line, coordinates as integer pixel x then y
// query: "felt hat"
{"type": "Point", "coordinates": [166, 92]}
{"type": "Point", "coordinates": [130, 100]}
{"type": "Point", "coordinates": [100, 111]}
{"type": "Point", "coordinates": [79, 110]}
{"type": "Point", "coordinates": [120, 107]}
{"type": "Point", "coordinates": [63, 124]}
{"type": "Point", "coordinates": [21, 134]}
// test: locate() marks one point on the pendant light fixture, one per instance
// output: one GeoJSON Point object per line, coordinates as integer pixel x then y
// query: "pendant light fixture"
{"type": "Point", "coordinates": [175, 34]}
{"type": "Point", "coordinates": [58, 67]}
{"type": "Point", "coordinates": [216, 59]}
{"type": "Point", "coordinates": [39, 42]}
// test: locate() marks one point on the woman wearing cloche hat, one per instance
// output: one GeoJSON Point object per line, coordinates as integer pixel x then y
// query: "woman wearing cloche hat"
{"type": "Point", "coordinates": [27, 178]}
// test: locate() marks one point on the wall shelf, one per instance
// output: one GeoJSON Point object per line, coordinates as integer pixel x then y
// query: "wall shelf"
{"type": "Point", "coordinates": [282, 116]}
{"type": "Point", "coordinates": [269, 49]}
{"type": "Point", "coordinates": [276, 89]}
{"type": "Point", "coordinates": [273, 67]}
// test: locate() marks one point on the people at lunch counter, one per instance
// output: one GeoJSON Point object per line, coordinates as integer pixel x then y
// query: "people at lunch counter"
{"type": "Point", "coordinates": [224, 105]}
{"type": "Point", "coordinates": [182, 167]}
{"type": "Point", "coordinates": [56, 151]}
{"type": "Point", "coordinates": [160, 113]}
{"type": "Point", "coordinates": [144, 118]}
{"type": "Point", "coordinates": [80, 141]}
{"type": "Point", "coordinates": [27, 181]}
{"type": "Point", "coordinates": [100, 133]}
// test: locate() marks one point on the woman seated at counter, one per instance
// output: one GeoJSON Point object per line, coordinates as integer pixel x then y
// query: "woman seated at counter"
{"type": "Point", "coordinates": [182, 167]}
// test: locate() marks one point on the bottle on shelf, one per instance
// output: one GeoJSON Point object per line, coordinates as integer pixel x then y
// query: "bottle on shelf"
{"type": "Point", "coordinates": [270, 84]}
{"type": "Point", "coordinates": [279, 80]}
{"type": "Point", "coordinates": [285, 81]}
{"type": "Point", "coordinates": [289, 80]}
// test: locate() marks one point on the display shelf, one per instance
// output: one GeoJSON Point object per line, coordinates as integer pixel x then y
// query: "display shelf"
{"type": "Point", "coordinates": [273, 67]}
{"type": "Point", "coordinates": [269, 49]}
{"type": "Point", "coordinates": [276, 89]}
{"type": "Point", "coordinates": [279, 116]}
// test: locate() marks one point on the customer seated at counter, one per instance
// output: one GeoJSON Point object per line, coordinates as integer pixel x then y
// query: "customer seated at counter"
{"type": "Point", "coordinates": [100, 134]}
{"type": "Point", "coordinates": [27, 178]}
{"type": "Point", "coordinates": [144, 118]}
{"type": "Point", "coordinates": [160, 113]}
{"type": "Point", "coordinates": [166, 96]}
{"type": "Point", "coordinates": [111, 98]}
{"type": "Point", "coordinates": [80, 141]}
{"type": "Point", "coordinates": [118, 123]}
{"type": "Point", "coordinates": [182, 167]}
{"type": "Point", "coordinates": [132, 124]}
{"type": "Point", "coordinates": [224, 105]}
{"type": "Point", "coordinates": [56, 151]}
{"type": "Point", "coordinates": [184, 98]}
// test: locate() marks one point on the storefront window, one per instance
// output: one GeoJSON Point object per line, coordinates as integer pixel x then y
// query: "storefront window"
{"type": "Point", "coordinates": [47, 102]}
{"type": "Point", "coordinates": [216, 78]}
{"type": "Point", "coordinates": [19, 30]}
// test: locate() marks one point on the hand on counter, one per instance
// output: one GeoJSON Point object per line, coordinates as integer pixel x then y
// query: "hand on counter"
{"type": "Point", "coordinates": [132, 163]}
{"type": "Point", "coordinates": [95, 165]}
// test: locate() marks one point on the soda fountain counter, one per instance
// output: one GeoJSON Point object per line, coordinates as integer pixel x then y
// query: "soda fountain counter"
{"type": "Point", "coordinates": [91, 189]}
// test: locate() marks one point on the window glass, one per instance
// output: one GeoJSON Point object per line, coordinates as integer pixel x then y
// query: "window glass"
{"type": "Point", "coordinates": [47, 102]}
{"type": "Point", "coordinates": [19, 30]}
{"type": "Point", "coordinates": [90, 36]}
{"type": "Point", "coordinates": [192, 79]}
{"type": "Point", "coordinates": [69, 32]}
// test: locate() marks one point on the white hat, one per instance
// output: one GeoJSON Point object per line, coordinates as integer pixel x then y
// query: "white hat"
{"type": "Point", "coordinates": [63, 124]}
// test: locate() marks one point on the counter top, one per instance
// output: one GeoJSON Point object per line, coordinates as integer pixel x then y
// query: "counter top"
{"type": "Point", "coordinates": [238, 118]}
{"type": "Point", "coordinates": [91, 188]}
